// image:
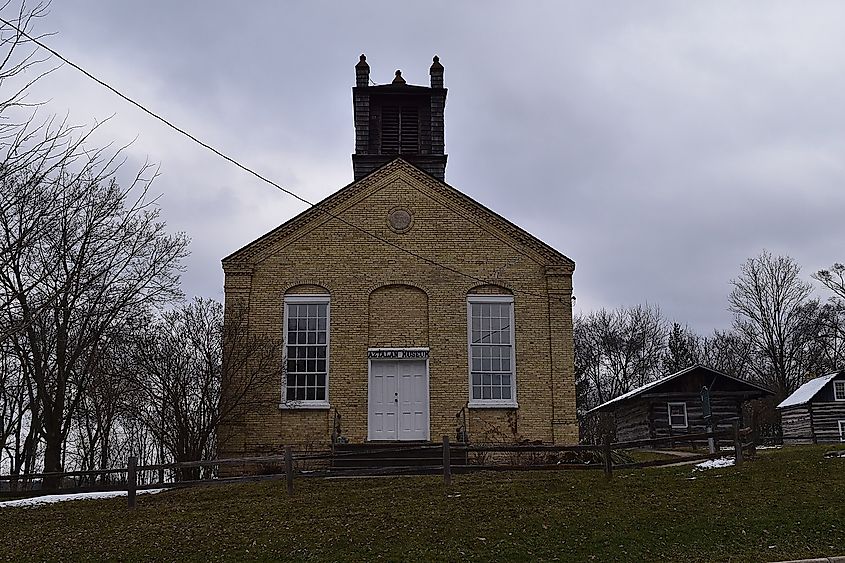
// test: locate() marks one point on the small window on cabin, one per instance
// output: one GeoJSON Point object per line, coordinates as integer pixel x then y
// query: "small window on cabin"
{"type": "Point", "coordinates": [839, 390]}
{"type": "Point", "coordinates": [842, 430]}
{"type": "Point", "coordinates": [678, 415]}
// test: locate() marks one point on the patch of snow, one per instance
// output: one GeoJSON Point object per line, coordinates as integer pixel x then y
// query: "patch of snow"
{"type": "Point", "coordinates": [769, 447]}
{"type": "Point", "coordinates": [715, 463]}
{"type": "Point", "coordinates": [50, 499]}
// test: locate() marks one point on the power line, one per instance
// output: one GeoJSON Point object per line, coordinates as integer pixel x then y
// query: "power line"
{"type": "Point", "coordinates": [244, 167]}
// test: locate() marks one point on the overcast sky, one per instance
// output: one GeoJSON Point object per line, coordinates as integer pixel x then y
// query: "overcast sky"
{"type": "Point", "coordinates": [658, 144]}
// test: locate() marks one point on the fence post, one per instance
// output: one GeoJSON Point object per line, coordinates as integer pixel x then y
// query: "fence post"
{"type": "Point", "coordinates": [447, 461]}
{"type": "Point", "coordinates": [711, 442]}
{"type": "Point", "coordinates": [737, 444]}
{"type": "Point", "coordinates": [606, 457]}
{"type": "Point", "coordinates": [289, 468]}
{"type": "Point", "coordinates": [131, 480]}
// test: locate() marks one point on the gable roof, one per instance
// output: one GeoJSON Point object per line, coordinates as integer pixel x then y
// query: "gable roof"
{"type": "Point", "coordinates": [806, 392]}
{"type": "Point", "coordinates": [334, 204]}
{"type": "Point", "coordinates": [648, 386]}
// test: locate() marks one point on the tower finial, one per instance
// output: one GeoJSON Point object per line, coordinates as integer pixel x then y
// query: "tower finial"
{"type": "Point", "coordinates": [362, 72]}
{"type": "Point", "coordinates": [398, 78]}
{"type": "Point", "coordinates": [436, 72]}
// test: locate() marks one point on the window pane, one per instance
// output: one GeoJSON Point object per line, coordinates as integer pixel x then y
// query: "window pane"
{"type": "Point", "coordinates": [485, 392]}
{"type": "Point", "coordinates": [309, 394]}
{"type": "Point", "coordinates": [321, 394]}
{"type": "Point", "coordinates": [506, 392]}
{"type": "Point", "coordinates": [476, 392]}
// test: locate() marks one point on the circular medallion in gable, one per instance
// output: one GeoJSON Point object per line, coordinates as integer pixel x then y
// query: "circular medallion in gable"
{"type": "Point", "coordinates": [400, 220]}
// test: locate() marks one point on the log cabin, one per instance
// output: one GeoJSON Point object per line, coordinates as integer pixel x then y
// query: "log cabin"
{"type": "Point", "coordinates": [815, 412]}
{"type": "Point", "coordinates": [672, 405]}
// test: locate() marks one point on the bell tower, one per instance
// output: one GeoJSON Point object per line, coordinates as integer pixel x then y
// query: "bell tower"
{"type": "Point", "coordinates": [399, 119]}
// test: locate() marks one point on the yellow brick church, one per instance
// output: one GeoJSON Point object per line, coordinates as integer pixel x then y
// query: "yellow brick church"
{"type": "Point", "coordinates": [408, 311]}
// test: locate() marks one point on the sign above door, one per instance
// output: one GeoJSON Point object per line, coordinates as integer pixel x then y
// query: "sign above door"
{"type": "Point", "coordinates": [397, 353]}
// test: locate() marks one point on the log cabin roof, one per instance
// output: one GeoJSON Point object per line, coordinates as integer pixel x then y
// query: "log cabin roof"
{"type": "Point", "coordinates": [657, 383]}
{"type": "Point", "coordinates": [806, 392]}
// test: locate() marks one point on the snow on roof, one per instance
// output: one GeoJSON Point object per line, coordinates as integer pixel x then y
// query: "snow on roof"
{"type": "Point", "coordinates": [642, 389]}
{"type": "Point", "coordinates": [662, 380]}
{"type": "Point", "coordinates": [807, 391]}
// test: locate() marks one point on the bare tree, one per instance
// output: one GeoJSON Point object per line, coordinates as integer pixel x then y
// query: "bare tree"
{"type": "Point", "coordinates": [683, 349]}
{"type": "Point", "coordinates": [770, 303]}
{"type": "Point", "coordinates": [193, 374]}
{"type": "Point", "coordinates": [834, 279]}
{"type": "Point", "coordinates": [101, 254]}
{"type": "Point", "coordinates": [729, 352]}
{"type": "Point", "coordinates": [619, 350]}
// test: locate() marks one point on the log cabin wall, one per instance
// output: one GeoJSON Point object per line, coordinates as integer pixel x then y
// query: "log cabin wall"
{"type": "Point", "coordinates": [726, 410]}
{"type": "Point", "coordinates": [825, 418]}
{"type": "Point", "coordinates": [632, 422]}
{"type": "Point", "coordinates": [796, 424]}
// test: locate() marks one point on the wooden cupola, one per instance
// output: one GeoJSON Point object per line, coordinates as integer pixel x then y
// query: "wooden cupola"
{"type": "Point", "coordinates": [399, 119]}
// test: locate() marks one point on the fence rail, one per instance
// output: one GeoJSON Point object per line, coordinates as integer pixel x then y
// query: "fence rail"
{"type": "Point", "coordinates": [440, 460]}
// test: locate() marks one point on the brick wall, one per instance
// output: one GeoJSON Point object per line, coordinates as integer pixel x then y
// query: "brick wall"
{"type": "Point", "coordinates": [381, 296]}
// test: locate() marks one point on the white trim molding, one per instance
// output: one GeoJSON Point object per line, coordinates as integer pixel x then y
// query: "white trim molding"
{"type": "Point", "coordinates": [839, 390]}
{"type": "Point", "coordinates": [306, 404]}
{"type": "Point", "coordinates": [669, 412]}
{"type": "Point", "coordinates": [490, 403]}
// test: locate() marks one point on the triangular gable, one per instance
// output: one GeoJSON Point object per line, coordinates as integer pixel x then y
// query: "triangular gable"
{"type": "Point", "coordinates": [657, 383]}
{"type": "Point", "coordinates": [806, 392]}
{"type": "Point", "coordinates": [349, 195]}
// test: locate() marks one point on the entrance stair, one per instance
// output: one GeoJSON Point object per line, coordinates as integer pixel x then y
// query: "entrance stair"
{"type": "Point", "coordinates": [378, 455]}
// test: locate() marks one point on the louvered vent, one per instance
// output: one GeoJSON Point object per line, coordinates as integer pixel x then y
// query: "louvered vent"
{"type": "Point", "coordinates": [400, 130]}
{"type": "Point", "coordinates": [390, 128]}
{"type": "Point", "coordinates": [409, 128]}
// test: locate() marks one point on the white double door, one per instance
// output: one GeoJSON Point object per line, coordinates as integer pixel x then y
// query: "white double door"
{"type": "Point", "coordinates": [398, 397]}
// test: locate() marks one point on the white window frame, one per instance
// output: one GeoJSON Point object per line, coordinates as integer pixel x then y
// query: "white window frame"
{"type": "Point", "coordinates": [842, 430]}
{"type": "Point", "coordinates": [491, 403]}
{"type": "Point", "coordinates": [306, 300]}
{"type": "Point", "coordinates": [839, 385]}
{"type": "Point", "coordinates": [669, 413]}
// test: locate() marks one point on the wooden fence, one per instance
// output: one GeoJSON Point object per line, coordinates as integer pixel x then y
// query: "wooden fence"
{"type": "Point", "coordinates": [437, 459]}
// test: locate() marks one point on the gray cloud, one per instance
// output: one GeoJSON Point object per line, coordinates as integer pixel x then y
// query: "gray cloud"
{"type": "Point", "coordinates": [658, 144]}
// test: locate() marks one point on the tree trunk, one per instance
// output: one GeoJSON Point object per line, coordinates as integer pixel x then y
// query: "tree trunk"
{"type": "Point", "coordinates": [52, 456]}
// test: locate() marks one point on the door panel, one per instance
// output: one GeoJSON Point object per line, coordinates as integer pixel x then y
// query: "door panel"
{"type": "Point", "coordinates": [383, 405]}
{"type": "Point", "coordinates": [413, 401]}
{"type": "Point", "coordinates": [398, 400]}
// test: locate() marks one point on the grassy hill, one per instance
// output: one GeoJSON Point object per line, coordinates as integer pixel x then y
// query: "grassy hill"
{"type": "Point", "coordinates": [786, 504]}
